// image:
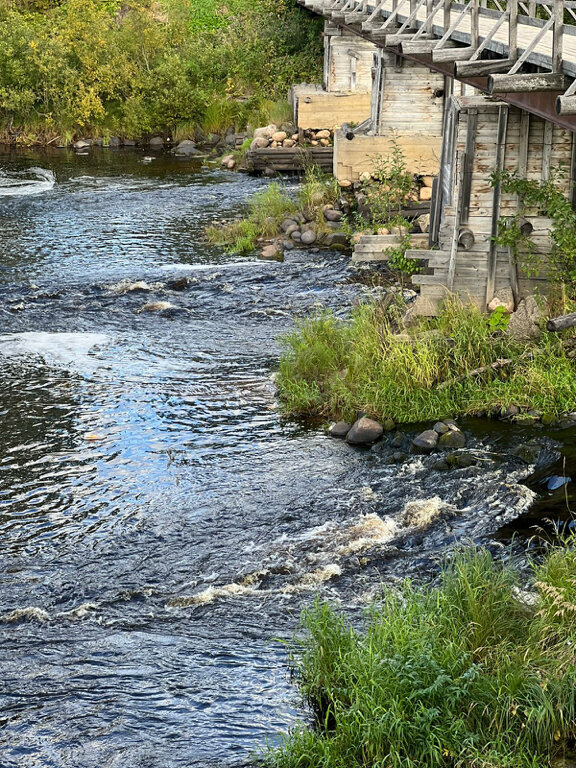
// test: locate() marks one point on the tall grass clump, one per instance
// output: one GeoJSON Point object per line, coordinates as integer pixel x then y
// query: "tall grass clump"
{"type": "Point", "coordinates": [265, 213]}
{"type": "Point", "coordinates": [335, 368]}
{"type": "Point", "coordinates": [463, 674]}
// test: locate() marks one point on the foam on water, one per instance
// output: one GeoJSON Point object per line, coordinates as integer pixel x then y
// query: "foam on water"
{"type": "Point", "coordinates": [21, 183]}
{"type": "Point", "coordinates": [67, 349]}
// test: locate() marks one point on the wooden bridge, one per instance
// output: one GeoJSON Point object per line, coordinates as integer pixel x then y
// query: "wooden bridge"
{"type": "Point", "coordinates": [516, 110]}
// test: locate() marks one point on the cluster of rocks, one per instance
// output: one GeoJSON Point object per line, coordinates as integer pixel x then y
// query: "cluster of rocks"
{"type": "Point", "coordinates": [287, 137]}
{"type": "Point", "coordinates": [368, 184]}
{"type": "Point", "coordinates": [443, 436]}
{"type": "Point", "coordinates": [202, 143]}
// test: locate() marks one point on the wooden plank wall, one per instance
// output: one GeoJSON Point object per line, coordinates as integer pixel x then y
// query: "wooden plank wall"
{"type": "Point", "coordinates": [348, 51]}
{"type": "Point", "coordinates": [409, 103]}
{"type": "Point", "coordinates": [319, 109]}
{"type": "Point", "coordinates": [352, 158]}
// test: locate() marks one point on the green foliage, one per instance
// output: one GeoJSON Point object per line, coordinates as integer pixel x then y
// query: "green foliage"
{"type": "Point", "coordinates": [100, 67]}
{"type": "Point", "coordinates": [390, 188]}
{"type": "Point", "coordinates": [334, 368]}
{"type": "Point", "coordinates": [499, 319]}
{"type": "Point", "coordinates": [266, 211]}
{"type": "Point", "coordinates": [548, 199]}
{"type": "Point", "coordinates": [465, 673]}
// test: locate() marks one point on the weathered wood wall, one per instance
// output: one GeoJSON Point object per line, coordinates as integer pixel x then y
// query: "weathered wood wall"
{"type": "Point", "coordinates": [320, 109]}
{"type": "Point", "coordinates": [347, 61]}
{"type": "Point", "coordinates": [352, 158]}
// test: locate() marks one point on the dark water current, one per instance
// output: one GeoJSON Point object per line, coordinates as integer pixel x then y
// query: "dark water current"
{"type": "Point", "coordinates": [160, 524]}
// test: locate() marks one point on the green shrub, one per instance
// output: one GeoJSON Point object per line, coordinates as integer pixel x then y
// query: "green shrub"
{"type": "Point", "coordinates": [463, 674]}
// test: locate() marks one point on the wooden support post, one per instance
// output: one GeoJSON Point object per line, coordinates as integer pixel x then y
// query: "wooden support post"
{"type": "Point", "coordinates": [512, 29]}
{"type": "Point", "coordinates": [572, 177]}
{"type": "Point", "coordinates": [523, 146]}
{"type": "Point", "coordinates": [468, 165]}
{"type": "Point", "coordinates": [481, 68]}
{"type": "Point", "coordinates": [442, 182]}
{"type": "Point", "coordinates": [557, 35]}
{"type": "Point", "coordinates": [547, 150]}
{"type": "Point", "coordinates": [500, 157]}
{"type": "Point", "coordinates": [474, 26]}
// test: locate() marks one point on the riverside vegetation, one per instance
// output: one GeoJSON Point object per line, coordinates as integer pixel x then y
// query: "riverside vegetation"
{"type": "Point", "coordinates": [473, 672]}
{"type": "Point", "coordinates": [439, 367]}
{"type": "Point", "coordinates": [135, 67]}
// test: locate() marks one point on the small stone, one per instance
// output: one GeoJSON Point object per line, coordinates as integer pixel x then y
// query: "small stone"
{"type": "Point", "coordinates": [425, 194]}
{"type": "Point", "coordinates": [323, 134]}
{"type": "Point", "coordinates": [364, 431]}
{"type": "Point", "coordinates": [178, 284]}
{"type": "Point", "coordinates": [260, 142]}
{"type": "Point", "coordinates": [441, 428]}
{"type": "Point", "coordinates": [296, 235]}
{"type": "Point", "coordinates": [288, 143]}
{"type": "Point", "coordinates": [186, 148]}
{"type": "Point", "coordinates": [294, 137]}
{"type": "Point", "coordinates": [524, 324]}
{"type": "Point", "coordinates": [314, 143]}
{"type": "Point", "coordinates": [287, 223]}
{"type": "Point", "coordinates": [308, 237]}
{"type": "Point", "coordinates": [423, 222]}
{"type": "Point", "coordinates": [365, 176]}
{"type": "Point", "coordinates": [156, 306]}
{"type": "Point", "coordinates": [388, 425]}
{"type": "Point", "coordinates": [399, 456]}
{"type": "Point", "coordinates": [287, 245]}
{"type": "Point", "coordinates": [509, 412]}
{"type": "Point", "coordinates": [308, 214]}
{"type": "Point", "coordinates": [441, 465]}
{"type": "Point", "coordinates": [336, 240]}
{"type": "Point", "coordinates": [225, 160]}
{"type": "Point", "coordinates": [324, 142]}
{"type": "Point", "coordinates": [279, 136]}
{"type": "Point", "coordinates": [231, 164]}
{"type": "Point", "coordinates": [266, 132]}
{"type": "Point", "coordinates": [452, 439]}
{"type": "Point", "coordinates": [272, 252]}
{"type": "Point", "coordinates": [333, 215]}
{"type": "Point", "coordinates": [344, 183]}
{"type": "Point", "coordinates": [340, 429]}
{"type": "Point", "coordinates": [460, 459]}
{"type": "Point", "coordinates": [156, 142]}
{"type": "Point", "coordinates": [428, 181]}
{"type": "Point", "coordinates": [425, 442]}
{"type": "Point", "coordinates": [529, 452]}
{"type": "Point", "coordinates": [292, 228]}
{"type": "Point", "coordinates": [398, 440]}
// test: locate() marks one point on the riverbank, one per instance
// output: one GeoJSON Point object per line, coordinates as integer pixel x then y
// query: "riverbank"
{"type": "Point", "coordinates": [475, 671]}
{"type": "Point", "coordinates": [460, 363]}
{"type": "Point", "coordinates": [92, 69]}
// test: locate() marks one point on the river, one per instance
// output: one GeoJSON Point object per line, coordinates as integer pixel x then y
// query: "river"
{"type": "Point", "coordinates": [161, 524]}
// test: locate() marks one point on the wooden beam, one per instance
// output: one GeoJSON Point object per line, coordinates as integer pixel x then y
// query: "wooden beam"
{"type": "Point", "coordinates": [481, 68]}
{"type": "Point", "coordinates": [440, 55]}
{"type": "Point", "coordinates": [528, 83]}
{"type": "Point", "coordinates": [547, 150]}
{"type": "Point", "coordinates": [556, 324]}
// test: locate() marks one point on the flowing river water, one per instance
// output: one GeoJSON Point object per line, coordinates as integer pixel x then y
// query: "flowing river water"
{"type": "Point", "coordinates": [161, 525]}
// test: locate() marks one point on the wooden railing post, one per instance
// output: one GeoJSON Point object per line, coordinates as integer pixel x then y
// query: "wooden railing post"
{"type": "Point", "coordinates": [557, 37]}
{"type": "Point", "coordinates": [513, 30]}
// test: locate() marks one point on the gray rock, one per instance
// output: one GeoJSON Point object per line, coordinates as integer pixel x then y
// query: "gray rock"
{"type": "Point", "coordinates": [340, 429]}
{"type": "Point", "coordinates": [388, 425]}
{"type": "Point", "coordinates": [452, 439]}
{"type": "Point", "coordinates": [292, 228]}
{"type": "Point", "coordinates": [336, 240]}
{"type": "Point", "coordinates": [441, 428]}
{"type": "Point", "coordinates": [288, 223]}
{"type": "Point", "coordinates": [308, 214]}
{"type": "Point", "coordinates": [364, 431]}
{"type": "Point", "coordinates": [269, 173]}
{"type": "Point", "coordinates": [333, 225]}
{"type": "Point", "coordinates": [528, 452]}
{"type": "Point", "coordinates": [308, 237]}
{"type": "Point", "coordinates": [114, 141]}
{"type": "Point", "coordinates": [441, 465]}
{"type": "Point", "coordinates": [157, 142]}
{"type": "Point", "coordinates": [296, 235]}
{"type": "Point", "coordinates": [399, 456]}
{"type": "Point", "coordinates": [333, 215]}
{"type": "Point", "coordinates": [425, 442]}
{"type": "Point", "coordinates": [129, 143]}
{"type": "Point", "coordinates": [508, 413]}
{"type": "Point", "coordinates": [82, 144]}
{"type": "Point", "coordinates": [288, 245]}
{"type": "Point", "coordinates": [259, 143]}
{"type": "Point", "coordinates": [524, 324]}
{"type": "Point", "coordinates": [186, 148]}
{"type": "Point", "coordinates": [272, 252]}
{"type": "Point", "coordinates": [460, 460]}
{"type": "Point", "coordinates": [398, 440]}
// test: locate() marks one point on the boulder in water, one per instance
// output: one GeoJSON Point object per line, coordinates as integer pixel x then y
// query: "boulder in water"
{"type": "Point", "coordinates": [340, 429]}
{"type": "Point", "coordinates": [156, 142]}
{"type": "Point", "coordinates": [452, 439]}
{"type": "Point", "coordinates": [425, 442]}
{"type": "Point", "coordinates": [186, 148]}
{"type": "Point", "coordinates": [156, 306]}
{"type": "Point", "coordinates": [364, 431]}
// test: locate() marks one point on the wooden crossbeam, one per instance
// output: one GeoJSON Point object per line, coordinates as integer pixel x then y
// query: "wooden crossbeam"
{"type": "Point", "coordinates": [451, 54]}
{"type": "Point", "coordinates": [481, 68]}
{"type": "Point", "coordinates": [527, 83]}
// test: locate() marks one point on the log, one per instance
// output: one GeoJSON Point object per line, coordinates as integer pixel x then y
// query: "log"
{"type": "Point", "coordinates": [556, 324]}
{"type": "Point", "coordinates": [527, 83]}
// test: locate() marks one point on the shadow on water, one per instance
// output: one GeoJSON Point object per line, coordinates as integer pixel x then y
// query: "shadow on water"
{"type": "Point", "coordinates": [160, 523]}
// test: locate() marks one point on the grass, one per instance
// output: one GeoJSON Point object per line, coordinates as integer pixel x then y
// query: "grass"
{"type": "Point", "coordinates": [334, 368]}
{"type": "Point", "coordinates": [462, 674]}
{"type": "Point", "coordinates": [269, 207]}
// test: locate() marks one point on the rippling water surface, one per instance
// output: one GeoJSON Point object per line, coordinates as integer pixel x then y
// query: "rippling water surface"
{"type": "Point", "coordinates": [160, 525]}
